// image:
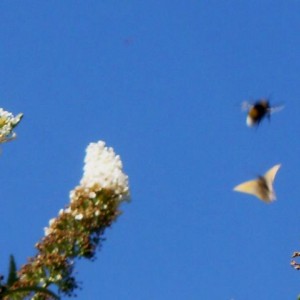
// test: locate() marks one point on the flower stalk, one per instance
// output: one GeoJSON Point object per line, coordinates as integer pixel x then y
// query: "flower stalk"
{"type": "Point", "coordinates": [78, 229]}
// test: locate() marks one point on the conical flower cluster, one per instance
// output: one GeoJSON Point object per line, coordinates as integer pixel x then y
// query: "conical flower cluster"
{"type": "Point", "coordinates": [78, 229]}
{"type": "Point", "coordinates": [103, 168]}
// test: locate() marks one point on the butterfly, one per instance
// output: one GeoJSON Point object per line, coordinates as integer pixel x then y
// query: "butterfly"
{"type": "Point", "coordinates": [258, 111]}
{"type": "Point", "coordinates": [262, 187]}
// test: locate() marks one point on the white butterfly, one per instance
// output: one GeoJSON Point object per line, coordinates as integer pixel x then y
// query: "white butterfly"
{"type": "Point", "coordinates": [262, 187]}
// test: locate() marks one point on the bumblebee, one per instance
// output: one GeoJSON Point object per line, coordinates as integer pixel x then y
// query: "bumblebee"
{"type": "Point", "coordinates": [258, 111]}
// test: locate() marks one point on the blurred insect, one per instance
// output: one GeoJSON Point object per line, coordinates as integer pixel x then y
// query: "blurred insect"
{"type": "Point", "coordinates": [258, 111]}
{"type": "Point", "coordinates": [262, 187]}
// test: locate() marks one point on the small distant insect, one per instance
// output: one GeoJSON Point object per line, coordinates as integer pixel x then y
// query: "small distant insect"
{"type": "Point", "coordinates": [258, 111]}
{"type": "Point", "coordinates": [262, 187]}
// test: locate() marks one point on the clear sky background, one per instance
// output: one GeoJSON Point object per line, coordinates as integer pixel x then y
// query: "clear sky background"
{"type": "Point", "coordinates": [162, 83]}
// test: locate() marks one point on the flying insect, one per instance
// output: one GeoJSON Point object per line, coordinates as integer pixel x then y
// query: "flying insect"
{"type": "Point", "coordinates": [262, 187]}
{"type": "Point", "coordinates": [258, 111]}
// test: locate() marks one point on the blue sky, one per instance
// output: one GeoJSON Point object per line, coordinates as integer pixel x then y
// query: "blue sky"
{"type": "Point", "coordinates": [162, 83]}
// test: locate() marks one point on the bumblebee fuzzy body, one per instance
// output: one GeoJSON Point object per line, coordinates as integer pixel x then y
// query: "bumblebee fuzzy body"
{"type": "Point", "coordinates": [257, 112]}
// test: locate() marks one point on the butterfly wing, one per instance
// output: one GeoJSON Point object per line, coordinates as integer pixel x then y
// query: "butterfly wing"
{"type": "Point", "coordinates": [269, 179]}
{"type": "Point", "coordinates": [250, 187]}
{"type": "Point", "coordinates": [270, 174]}
{"type": "Point", "coordinates": [256, 188]}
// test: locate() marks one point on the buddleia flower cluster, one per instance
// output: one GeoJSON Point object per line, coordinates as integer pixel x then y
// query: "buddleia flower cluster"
{"type": "Point", "coordinates": [78, 229]}
{"type": "Point", "coordinates": [294, 263]}
{"type": "Point", "coordinates": [7, 123]}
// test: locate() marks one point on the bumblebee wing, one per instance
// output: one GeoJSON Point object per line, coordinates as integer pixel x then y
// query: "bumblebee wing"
{"type": "Point", "coordinates": [250, 187]}
{"type": "Point", "coordinates": [246, 105]}
{"type": "Point", "coordinates": [276, 109]}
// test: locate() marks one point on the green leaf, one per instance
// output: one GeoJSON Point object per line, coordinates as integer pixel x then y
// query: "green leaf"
{"type": "Point", "coordinates": [12, 272]}
{"type": "Point", "coordinates": [30, 289]}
